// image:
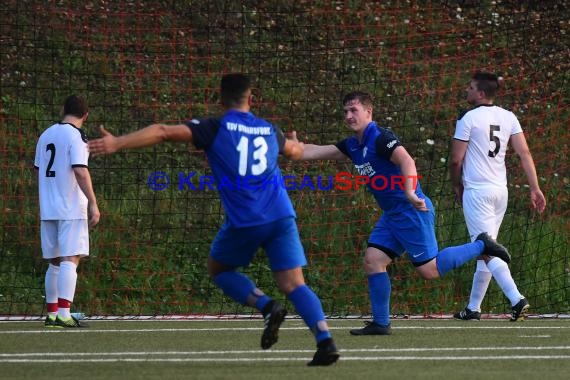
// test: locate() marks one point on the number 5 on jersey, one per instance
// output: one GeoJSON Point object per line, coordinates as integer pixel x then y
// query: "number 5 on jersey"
{"type": "Point", "coordinates": [495, 139]}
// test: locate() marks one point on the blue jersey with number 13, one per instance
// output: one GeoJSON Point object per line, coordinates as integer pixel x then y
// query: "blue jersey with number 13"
{"type": "Point", "coordinates": [243, 151]}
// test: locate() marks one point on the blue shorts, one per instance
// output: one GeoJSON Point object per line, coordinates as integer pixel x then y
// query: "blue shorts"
{"type": "Point", "coordinates": [280, 239]}
{"type": "Point", "coordinates": [411, 231]}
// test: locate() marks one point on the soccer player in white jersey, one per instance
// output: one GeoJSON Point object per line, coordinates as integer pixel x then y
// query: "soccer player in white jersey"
{"type": "Point", "coordinates": [479, 179]}
{"type": "Point", "coordinates": [68, 207]}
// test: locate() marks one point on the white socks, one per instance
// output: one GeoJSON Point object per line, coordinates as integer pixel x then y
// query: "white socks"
{"type": "Point", "coordinates": [51, 287]}
{"type": "Point", "coordinates": [66, 283]}
{"type": "Point", "coordinates": [481, 279]}
{"type": "Point", "coordinates": [51, 283]}
{"type": "Point", "coordinates": [498, 269]}
{"type": "Point", "coordinates": [502, 275]}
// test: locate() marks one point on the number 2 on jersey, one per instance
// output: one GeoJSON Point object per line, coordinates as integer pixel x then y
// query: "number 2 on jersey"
{"type": "Point", "coordinates": [51, 149]}
{"type": "Point", "coordinates": [259, 155]}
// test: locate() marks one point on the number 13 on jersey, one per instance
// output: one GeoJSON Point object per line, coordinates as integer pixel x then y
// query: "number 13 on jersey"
{"type": "Point", "coordinates": [258, 162]}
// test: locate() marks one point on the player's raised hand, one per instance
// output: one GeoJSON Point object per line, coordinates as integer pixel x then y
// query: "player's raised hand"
{"type": "Point", "coordinates": [107, 144]}
{"type": "Point", "coordinates": [293, 149]}
{"type": "Point", "coordinates": [293, 136]}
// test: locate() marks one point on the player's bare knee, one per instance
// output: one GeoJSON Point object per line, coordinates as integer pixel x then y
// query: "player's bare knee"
{"type": "Point", "coordinates": [372, 267]}
{"type": "Point", "coordinates": [428, 271]}
{"type": "Point", "coordinates": [214, 267]}
{"type": "Point", "coordinates": [74, 259]}
{"type": "Point", "coordinates": [429, 276]}
{"type": "Point", "coordinates": [289, 280]}
{"type": "Point", "coordinates": [375, 261]}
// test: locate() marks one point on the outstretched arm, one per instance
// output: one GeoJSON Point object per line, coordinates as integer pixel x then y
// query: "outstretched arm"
{"type": "Point", "coordinates": [151, 135]}
{"type": "Point", "coordinates": [537, 199]}
{"type": "Point", "coordinates": [319, 152]}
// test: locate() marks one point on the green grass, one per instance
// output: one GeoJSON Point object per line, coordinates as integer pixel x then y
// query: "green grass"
{"type": "Point", "coordinates": [202, 349]}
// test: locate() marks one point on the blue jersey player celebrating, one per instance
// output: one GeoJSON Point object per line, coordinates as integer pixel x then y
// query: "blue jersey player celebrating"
{"type": "Point", "coordinates": [407, 222]}
{"type": "Point", "coordinates": [242, 151]}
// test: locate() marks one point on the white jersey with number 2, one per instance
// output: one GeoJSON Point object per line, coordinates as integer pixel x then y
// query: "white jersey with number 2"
{"type": "Point", "coordinates": [488, 129]}
{"type": "Point", "coordinates": [60, 148]}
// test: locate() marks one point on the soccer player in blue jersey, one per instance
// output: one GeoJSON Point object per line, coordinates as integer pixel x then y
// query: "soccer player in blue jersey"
{"type": "Point", "coordinates": [242, 151]}
{"type": "Point", "coordinates": [407, 223]}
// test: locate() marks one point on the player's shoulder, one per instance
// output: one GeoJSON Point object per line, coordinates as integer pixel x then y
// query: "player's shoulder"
{"type": "Point", "coordinates": [386, 131]}
{"type": "Point", "coordinates": [74, 132]}
{"type": "Point", "coordinates": [206, 126]}
{"type": "Point", "coordinates": [386, 136]}
{"type": "Point", "coordinates": [506, 111]}
{"type": "Point", "coordinates": [469, 112]}
{"type": "Point", "coordinates": [382, 129]}
{"type": "Point", "coordinates": [49, 130]}
{"type": "Point", "coordinates": [63, 132]}
{"type": "Point", "coordinates": [205, 121]}
{"type": "Point", "coordinates": [480, 110]}
{"type": "Point", "coordinates": [502, 113]}
{"type": "Point", "coordinates": [82, 134]}
{"type": "Point", "coordinates": [462, 114]}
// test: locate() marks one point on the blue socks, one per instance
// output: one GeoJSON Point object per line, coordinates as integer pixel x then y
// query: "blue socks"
{"type": "Point", "coordinates": [453, 257]}
{"type": "Point", "coordinates": [239, 287]}
{"type": "Point", "coordinates": [309, 307]}
{"type": "Point", "coordinates": [380, 288]}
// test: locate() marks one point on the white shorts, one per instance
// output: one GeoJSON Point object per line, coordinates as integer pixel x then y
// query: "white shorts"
{"type": "Point", "coordinates": [484, 210]}
{"type": "Point", "coordinates": [62, 238]}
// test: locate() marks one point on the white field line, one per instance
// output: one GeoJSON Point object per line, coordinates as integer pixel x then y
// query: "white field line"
{"type": "Point", "coordinates": [42, 330]}
{"type": "Point", "coordinates": [267, 355]}
{"type": "Point", "coordinates": [242, 352]}
{"type": "Point", "coordinates": [274, 359]}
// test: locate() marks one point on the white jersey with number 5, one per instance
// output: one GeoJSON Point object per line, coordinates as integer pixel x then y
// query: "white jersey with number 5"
{"type": "Point", "coordinates": [60, 148]}
{"type": "Point", "coordinates": [488, 129]}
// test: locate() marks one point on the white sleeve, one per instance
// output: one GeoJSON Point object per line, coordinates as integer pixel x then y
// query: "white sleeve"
{"type": "Point", "coordinates": [462, 129]}
{"type": "Point", "coordinates": [516, 125]}
{"type": "Point", "coordinates": [79, 154]}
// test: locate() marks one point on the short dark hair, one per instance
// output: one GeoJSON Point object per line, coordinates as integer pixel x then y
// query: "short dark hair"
{"type": "Point", "coordinates": [363, 97]}
{"type": "Point", "coordinates": [234, 88]}
{"type": "Point", "coordinates": [486, 82]}
{"type": "Point", "coordinates": [75, 105]}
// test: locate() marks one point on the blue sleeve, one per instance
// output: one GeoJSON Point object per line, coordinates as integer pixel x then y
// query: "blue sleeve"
{"type": "Point", "coordinates": [204, 131]}
{"type": "Point", "coordinates": [386, 143]}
